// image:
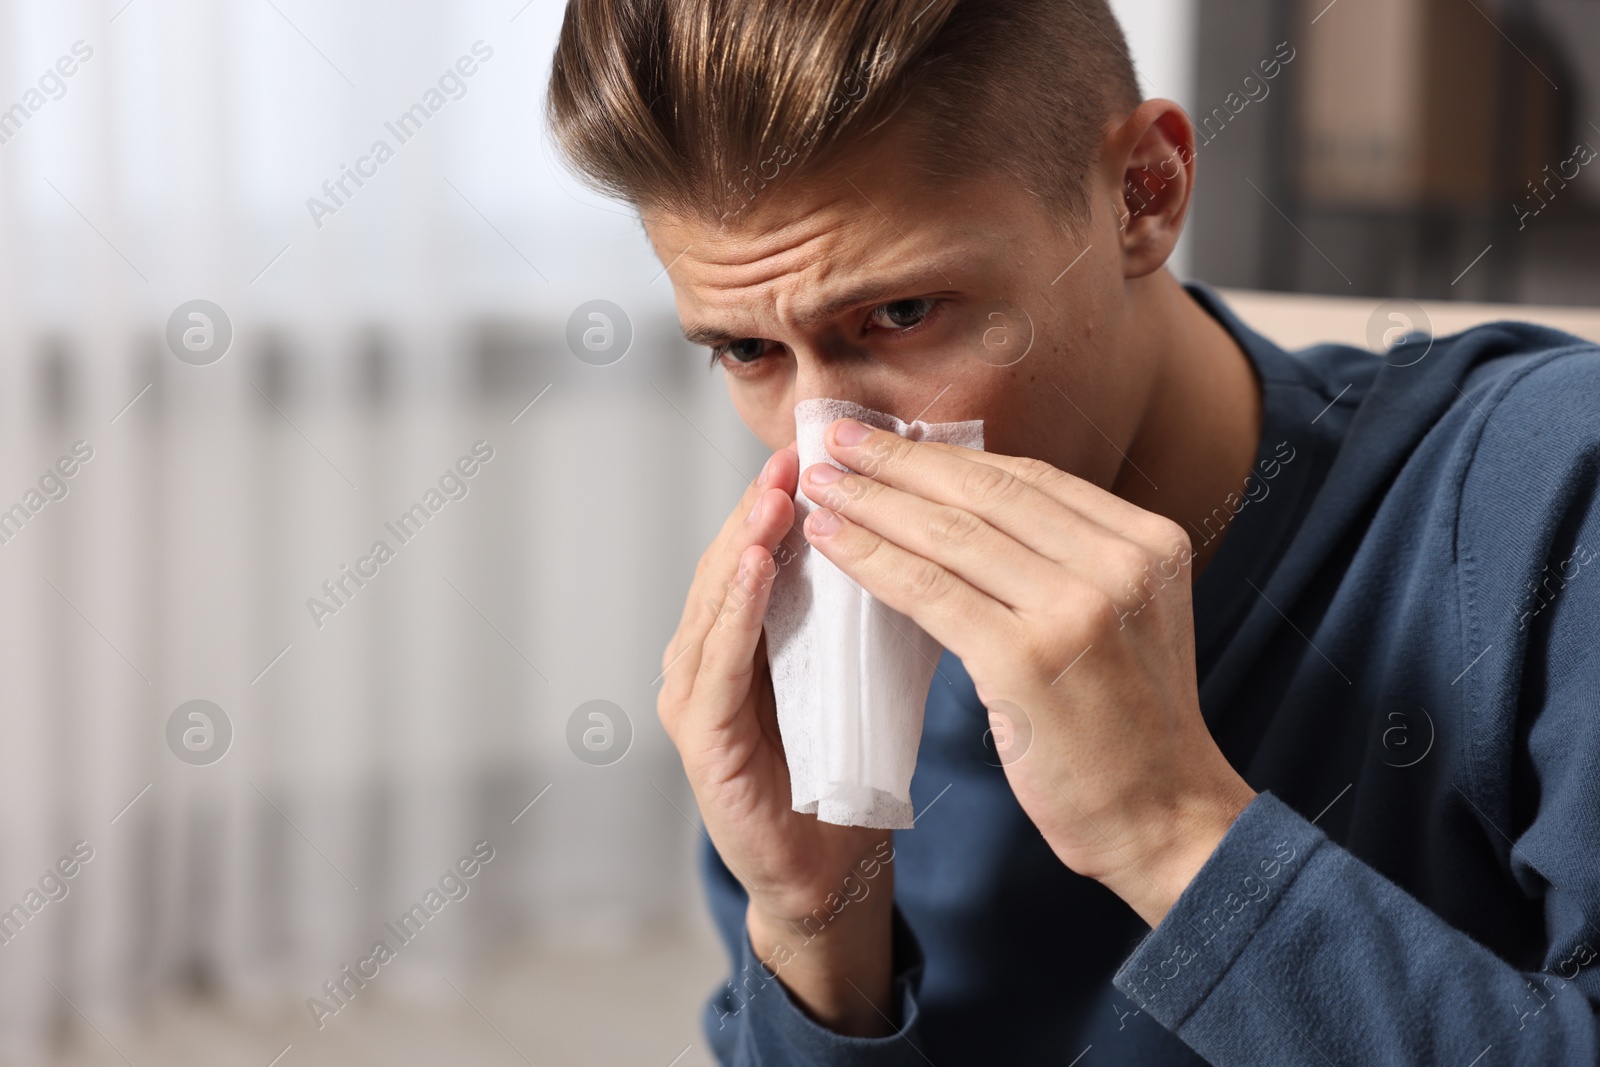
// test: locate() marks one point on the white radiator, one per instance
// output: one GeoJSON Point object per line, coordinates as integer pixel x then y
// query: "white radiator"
{"type": "Point", "coordinates": [377, 739]}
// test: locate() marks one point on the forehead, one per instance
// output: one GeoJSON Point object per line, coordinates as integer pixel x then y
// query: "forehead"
{"type": "Point", "coordinates": [810, 249]}
{"type": "Point", "coordinates": [809, 231]}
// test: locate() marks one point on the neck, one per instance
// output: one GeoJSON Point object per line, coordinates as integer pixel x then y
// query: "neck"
{"type": "Point", "coordinates": [1201, 429]}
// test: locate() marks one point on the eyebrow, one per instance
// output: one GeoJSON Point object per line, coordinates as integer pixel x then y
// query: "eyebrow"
{"type": "Point", "coordinates": [870, 293]}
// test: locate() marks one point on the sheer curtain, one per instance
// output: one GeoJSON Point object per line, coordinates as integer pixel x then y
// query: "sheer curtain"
{"type": "Point", "coordinates": [381, 332]}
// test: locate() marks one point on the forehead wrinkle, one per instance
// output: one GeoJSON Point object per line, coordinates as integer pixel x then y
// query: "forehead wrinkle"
{"type": "Point", "coordinates": [771, 284]}
{"type": "Point", "coordinates": [803, 301]}
{"type": "Point", "coordinates": [771, 238]}
{"type": "Point", "coordinates": [783, 276]}
{"type": "Point", "coordinates": [733, 261]}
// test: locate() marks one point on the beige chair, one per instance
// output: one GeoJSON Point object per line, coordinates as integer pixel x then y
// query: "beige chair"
{"type": "Point", "coordinates": [1295, 320]}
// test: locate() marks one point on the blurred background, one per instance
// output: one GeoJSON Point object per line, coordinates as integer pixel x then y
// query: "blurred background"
{"type": "Point", "coordinates": [1404, 140]}
{"type": "Point", "coordinates": [228, 369]}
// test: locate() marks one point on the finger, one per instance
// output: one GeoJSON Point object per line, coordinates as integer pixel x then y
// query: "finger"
{"type": "Point", "coordinates": [727, 664]}
{"type": "Point", "coordinates": [1059, 516]}
{"type": "Point", "coordinates": [1141, 550]}
{"type": "Point", "coordinates": [959, 477]}
{"type": "Point", "coordinates": [715, 581]}
{"type": "Point", "coordinates": [957, 615]}
{"type": "Point", "coordinates": [1080, 494]}
{"type": "Point", "coordinates": [769, 503]}
{"type": "Point", "coordinates": [1141, 542]}
{"type": "Point", "coordinates": [956, 539]}
{"type": "Point", "coordinates": [715, 566]}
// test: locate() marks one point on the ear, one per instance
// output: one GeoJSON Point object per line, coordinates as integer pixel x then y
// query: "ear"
{"type": "Point", "coordinates": [1149, 160]}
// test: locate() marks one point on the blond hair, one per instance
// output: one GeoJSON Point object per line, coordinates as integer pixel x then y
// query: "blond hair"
{"type": "Point", "coordinates": [697, 107]}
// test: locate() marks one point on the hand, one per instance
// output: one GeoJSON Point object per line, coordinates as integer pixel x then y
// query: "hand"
{"type": "Point", "coordinates": [1070, 609]}
{"type": "Point", "coordinates": [717, 705]}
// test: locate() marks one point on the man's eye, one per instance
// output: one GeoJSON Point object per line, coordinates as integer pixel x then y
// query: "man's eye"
{"type": "Point", "coordinates": [901, 314]}
{"type": "Point", "coordinates": [744, 350]}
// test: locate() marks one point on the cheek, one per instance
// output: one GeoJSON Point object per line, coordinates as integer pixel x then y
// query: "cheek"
{"type": "Point", "coordinates": [1024, 413]}
{"type": "Point", "coordinates": [1005, 406]}
{"type": "Point", "coordinates": [767, 408]}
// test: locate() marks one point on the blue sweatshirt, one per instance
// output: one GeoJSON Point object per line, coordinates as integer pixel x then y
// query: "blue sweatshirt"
{"type": "Point", "coordinates": [1396, 646]}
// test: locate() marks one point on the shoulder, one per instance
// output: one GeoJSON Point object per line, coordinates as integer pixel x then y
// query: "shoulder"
{"type": "Point", "coordinates": [1527, 488]}
{"type": "Point", "coordinates": [1509, 471]}
{"type": "Point", "coordinates": [1550, 353]}
{"type": "Point", "coordinates": [1527, 525]}
{"type": "Point", "coordinates": [1494, 424]}
{"type": "Point", "coordinates": [1532, 412]}
{"type": "Point", "coordinates": [1519, 359]}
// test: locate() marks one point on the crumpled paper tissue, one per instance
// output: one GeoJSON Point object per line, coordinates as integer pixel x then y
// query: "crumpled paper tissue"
{"type": "Point", "coordinates": [850, 674]}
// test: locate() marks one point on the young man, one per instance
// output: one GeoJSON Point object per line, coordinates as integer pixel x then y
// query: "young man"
{"type": "Point", "coordinates": [1304, 643]}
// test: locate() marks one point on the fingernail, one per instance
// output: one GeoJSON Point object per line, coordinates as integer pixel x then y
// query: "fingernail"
{"type": "Point", "coordinates": [740, 576]}
{"type": "Point", "coordinates": [850, 432]}
{"type": "Point", "coordinates": [823, 522]}
{"type": "Point", "coordinates": [766, 471]}
{"type": "Point", "coordinates": [755, 512]}
{"type": "Point", "coordinates": [824, 474]}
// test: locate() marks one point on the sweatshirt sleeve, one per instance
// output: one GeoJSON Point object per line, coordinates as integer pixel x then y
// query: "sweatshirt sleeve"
{"type": "Point", "coordinates": [752, 1020]}
{"type": "Point", "coordinates": [1286, 949]}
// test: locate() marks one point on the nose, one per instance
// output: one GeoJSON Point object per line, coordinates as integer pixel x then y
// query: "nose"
{"type": "Point", "coordinates": [816, 377]}
{"type": "Point", "coordinates": [840, 379]}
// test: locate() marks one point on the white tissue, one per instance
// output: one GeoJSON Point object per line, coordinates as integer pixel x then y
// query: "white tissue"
{"type": "Point", "coordinates": [850, 674]}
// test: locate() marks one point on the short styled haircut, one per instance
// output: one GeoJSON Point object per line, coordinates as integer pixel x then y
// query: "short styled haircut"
{"type": "Point", "coordinates": [693, 107]}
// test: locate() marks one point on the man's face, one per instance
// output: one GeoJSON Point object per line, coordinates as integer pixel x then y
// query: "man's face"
{"type": "Point", "coordinates": [867, 284]}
